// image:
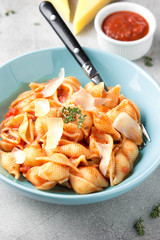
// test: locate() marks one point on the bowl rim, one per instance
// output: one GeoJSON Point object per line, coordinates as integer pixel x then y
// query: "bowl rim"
{"type": "Point", "coordinates": [97, 196]}
{"type": "Point", "coordinates": [98, 22]}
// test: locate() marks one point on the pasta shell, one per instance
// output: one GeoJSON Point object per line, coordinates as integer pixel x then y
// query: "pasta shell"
{"type": "Point", "coordinates": [122, 168]}
{"type": "Point", "coordinates": [63, 94]}
{"type": "Point", "coordinates": [95, 90]}
{"type": "Point", "coordinates": [60, 159]}
{"type": "Point", "coordinates": [41, 127]}
{"type": "Point", "coordinates": [98, 137]}
{"type": "Point", "coordinates": [94, 176]}
{"type": "Point", "coordinates": [26, 99]}
{"type": "Point", "coordinates": [53, 172]}
{"type": "Point", "coordinates": [103, 123]}
{"type": "Point", "coordinates": [82, 186]}
{"type": "Point", "coordinates": [121, 98]}
{"type": "Point", "coordinates": [3, 123]}
{"type": "Point", "coordinates": [112, 96]}
{"type": "Point", "coordinates": [46, 186]}
{"type": "Point", "coordinates": [38, 182]}
{"type": "Point", "coordinates": [15, 121]}
{"type": "Point", "coordinates": [112, 167]}
{"type": "Point", "coordinates": [63, 160]}
{"type": "Point", "coordinates": [102, 109]}
{"type": "Point", "coordinates": [87, 124]}
{"type": "Point", "coordinates": [14, 135]}
{"type": "Point", "coordinates": [11, 137]}
{"type": "Point", "coordinates": [49, 152]}
{"type": "Point", "coordinates": [76, 137]}
{"type": "Point", "coordinates": [31, 153]}
{"type": "Point", "coordinates": [21, 97]}
{"type": "Point", "coordinates": [73, 82]}
{"type": "Point", "coordinates": [76, 150]}
{"type": "Point", "coordinates": [32, 176]}
{"type": "Point", "coordinates": [54, 104]}
{"type": "Point", "coordinates": [29, 107]}
{"type": "Point", "coordinates": [31, 129]}
{"type": "Point", "coordinates": [79, 161]}
{"type": "Point", "coordinates": [37, 87]}
{"type": "Point", "coordinates": [23, 130]}
{"type": "Point", "coordinates": [93, 145]}
{"type": "Point", "coordinates": [89, 86]}
{"type": "Point", "coordinates": [130, 150]}
{"type": "Point", "coordinates": [106, 155]}
{"type": "Point", "coordinates": [114, 112]}
{"type": "Point", "coordinates": [136, 109]}
{"type": "Point", "coordinates": [72, 132]}
{"type": "Point", "coordinates": [130, 110]}
{"type": "Point", "coordinates": [9, 164]}
{"type": "Point", "coordinates": [6, 146]}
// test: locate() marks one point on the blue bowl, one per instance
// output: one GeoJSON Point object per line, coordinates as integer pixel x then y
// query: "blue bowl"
{"type": "Point", "coordinates": [136, 84]}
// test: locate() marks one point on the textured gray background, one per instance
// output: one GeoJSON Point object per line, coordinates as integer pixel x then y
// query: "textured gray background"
{"type": "Point", "coordinates": [27, 219]}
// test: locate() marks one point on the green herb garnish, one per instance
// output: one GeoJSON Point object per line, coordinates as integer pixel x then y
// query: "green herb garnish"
{"type": "Point", "coordinates": [36, 23]}
{"type": "Point", "coordinates": [69, 115]}
{"type": "Point", "coordinates": [148, 61]}
{"type": "Point", "coordinates": [81, 119]}
{"type": "Point", "coordinates": [12, 11]}
{"type": "Point", "coordinates": [155, 211]}
{"type": "Point", "coordinates": [139, 227]}
{"type": "Point", "coordinates": [7, 13]}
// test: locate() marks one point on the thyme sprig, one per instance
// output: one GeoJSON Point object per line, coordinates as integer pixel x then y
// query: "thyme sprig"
{"type": "Point", "coordinates": [69, 115]}
{"type": "Point", "coordinates": [155, 211]}
{"type": "Point", "coordinates": [148, 61]}
{"type": "Point", "coordinates": [139, 227]}
{"type": "Point", "coordinates": [8, 12]}
{"type": "Point", "coordinates": [81, 119]}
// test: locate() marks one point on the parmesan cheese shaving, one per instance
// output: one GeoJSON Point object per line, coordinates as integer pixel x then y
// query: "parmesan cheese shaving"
{"type": "Point", "coordinates": [18, 155]}
{"type": "Point", "coordinates": [128, 127]}
{"type": "Point", "coordinates": [55, 130]}
{"type": "Point", "coordinates": [42, 107]}
{"type": "Point", "coordinates": [86, 100]}
{"type": "Point", "coordinates": [53, 84]}
{"type": "Point", "coordinates": [99, 101]}
{"type": "Point", "coordinates": [105, 153]}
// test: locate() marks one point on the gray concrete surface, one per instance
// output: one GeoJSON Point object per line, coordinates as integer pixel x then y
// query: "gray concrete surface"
{"type": "Point", "coordinates": [22, 218]}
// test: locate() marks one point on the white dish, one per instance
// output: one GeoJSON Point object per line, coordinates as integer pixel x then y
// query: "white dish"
{"type": "Point", "coordinates": [128, 49]}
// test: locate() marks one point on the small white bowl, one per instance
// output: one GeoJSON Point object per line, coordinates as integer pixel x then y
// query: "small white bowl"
{"type": "Point", "coordinates": [128, 49]}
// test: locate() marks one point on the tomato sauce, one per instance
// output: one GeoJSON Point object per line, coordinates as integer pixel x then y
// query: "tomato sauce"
{"type": "Point", "coordinates": [125, 26]}
{"type": "Point", "coordinates": [62, 94]}
{"type": "Point", "coordinates": [12, 112]}
{"type": "Point", "coordinates": [24, 168]}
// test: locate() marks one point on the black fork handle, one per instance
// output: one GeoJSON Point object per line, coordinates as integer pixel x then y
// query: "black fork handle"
{"type": "Point", "coordinates": [54, 19]}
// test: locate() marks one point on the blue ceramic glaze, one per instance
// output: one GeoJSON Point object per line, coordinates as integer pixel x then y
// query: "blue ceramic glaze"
{"type": "Point", "coordinates": [135, 83]}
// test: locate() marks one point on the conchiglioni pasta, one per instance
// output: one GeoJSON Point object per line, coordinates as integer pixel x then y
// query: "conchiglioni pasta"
{"type": "Point", "coordinates": [88, 154]}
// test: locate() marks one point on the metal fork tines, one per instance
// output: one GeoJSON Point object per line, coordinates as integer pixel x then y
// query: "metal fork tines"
{"type": "Point", "coordinates": [145, 133]}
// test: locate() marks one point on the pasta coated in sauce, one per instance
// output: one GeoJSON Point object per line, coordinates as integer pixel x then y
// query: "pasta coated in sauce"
{"type": "Point", "coordinates": [87, 158]}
